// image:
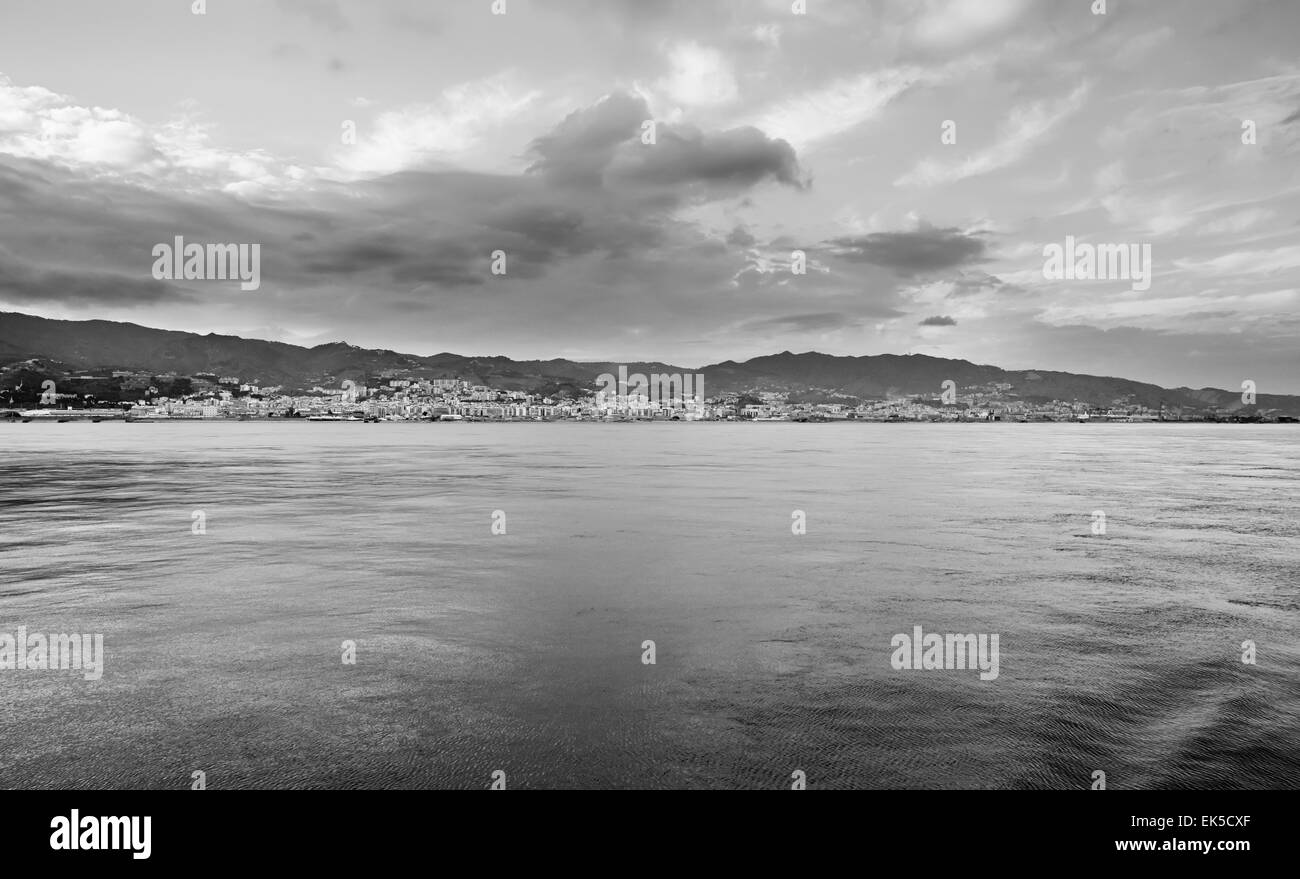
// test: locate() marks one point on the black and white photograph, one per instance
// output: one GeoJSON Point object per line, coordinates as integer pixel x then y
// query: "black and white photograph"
{"type": "Point", "coordinates": [867, 395]}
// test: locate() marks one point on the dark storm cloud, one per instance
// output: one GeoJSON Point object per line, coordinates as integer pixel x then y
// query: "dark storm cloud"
{"type": "Point", "coordinates": [911, 253]}
{"type": "Point", "coordinates": [739, 157]}
{"type": "Point", "coordinates": [18, 181]}
{"type": "Point", "coordinates": [1292, 118]}
{"type": "Point", "coordinates": [435, 196]}
{"type": "Point", "coordinates": [76, 241]}
{"type": "Point", "coordinates": [451, 266]}
{"type": "Point", "coordinates": [24, 283]}
{"type": "Point", "coordinates": [593, 189]}
{"type": "Point", "coordinates": [459, 259]}
{"type": "Point", "coordinates": [358, 256]}
{"type": "Point", "coordinates": [938, 320]}
{"type": "Point", "coordinates": [573, 229]}
{"type": "Point", "coordinates": [546, 224]}
{"type": "Point", "coordinates": [601, 146]}
{"type": "Point", "coordinates": [579, 149]}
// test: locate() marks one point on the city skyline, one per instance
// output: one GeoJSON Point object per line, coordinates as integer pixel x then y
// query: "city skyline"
{"type": "Point", "coordinates": [922, 157]}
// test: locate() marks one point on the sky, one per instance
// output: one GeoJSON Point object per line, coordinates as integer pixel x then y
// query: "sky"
{"type": "Point", "coordinates": [919, 155]}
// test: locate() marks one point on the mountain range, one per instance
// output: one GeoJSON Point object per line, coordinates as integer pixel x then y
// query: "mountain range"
{"type": "Point", "coordinates": [33, 347]}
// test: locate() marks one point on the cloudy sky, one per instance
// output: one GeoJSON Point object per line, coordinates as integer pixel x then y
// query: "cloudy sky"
{"type": "Point", "coordinates": [126, 123]}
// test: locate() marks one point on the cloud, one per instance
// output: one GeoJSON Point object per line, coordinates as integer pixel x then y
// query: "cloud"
{"type": "Point", "coordinates": [36, 123]}
{"type": "Point", "coordinates": [1238, 221]}
{"type": "Point", "coordinates": [768, 34]}
{"type": "Point", "coordinates": [1247, 262]}
{"type": "Point", "coordinates": [1173, 311]}
{"type": "Point", "coordinates": [583, 144]}
{"type": "Point", "coordinates": [938, 320]}
{"type": "Point", "coordinates": [975, 282]}
{"type": "Point", "coordinates": [803, 322]}
{"type": "Point", "coordinates": [740, 236]}
{"type": "Point", "coordinates": [600, 146]}
{"type": "Point", "coordinates": [908, 253]}
{"type": "Point", "coordinates": [448, 129]}
{"type": "Point", "coordinates": [836, 107]}
{"type": "Point", "coordinates": [1027, 126]}
{"type": "Point", "coordinates": [700, 77]}
{"type": "Point", "coordinates": [24, 283]}
{"type": "Point", "coordinates": [413, 236]}
{"type": "Point", "coordinates": [739, 157]}
{"type": "Point", "coordinates": [950, 24]}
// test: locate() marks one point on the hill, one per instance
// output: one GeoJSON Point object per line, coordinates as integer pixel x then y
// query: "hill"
{"type": "Point", "coordinates": [33, 347]}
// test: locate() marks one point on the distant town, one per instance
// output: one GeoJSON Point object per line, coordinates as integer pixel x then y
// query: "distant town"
{"type": "Point", "coordinates": [394, 396]}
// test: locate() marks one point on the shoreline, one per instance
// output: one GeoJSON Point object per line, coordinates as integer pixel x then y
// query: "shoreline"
{"type": "Point", "coordinates": [72, 418]}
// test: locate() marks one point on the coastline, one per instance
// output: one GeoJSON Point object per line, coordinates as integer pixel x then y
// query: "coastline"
{"type": "Point", "coordinates": [72, 416]}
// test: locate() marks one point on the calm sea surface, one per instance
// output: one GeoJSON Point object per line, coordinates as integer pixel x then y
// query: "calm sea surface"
{"type": "Point", "coordinates": [523, 652]}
